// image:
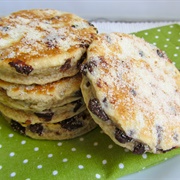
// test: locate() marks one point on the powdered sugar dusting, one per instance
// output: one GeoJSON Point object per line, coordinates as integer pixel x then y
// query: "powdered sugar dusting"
{"type": "Point", "coordinates": [139, 83]}
{"type": "Point", "coordinates": [38, 33]}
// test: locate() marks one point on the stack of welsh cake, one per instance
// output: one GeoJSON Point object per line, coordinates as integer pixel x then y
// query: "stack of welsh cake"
{"type": "Point", "coordinates": [40, 55]}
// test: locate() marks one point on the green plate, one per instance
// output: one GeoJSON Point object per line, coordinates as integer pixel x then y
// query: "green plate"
{"type": "Point", "coordinates": [92, 156]}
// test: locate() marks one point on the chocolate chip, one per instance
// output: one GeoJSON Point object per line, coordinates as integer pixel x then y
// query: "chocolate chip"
{"type": "Point", "coordinates": [71, 123]}
{"type": "Point", "coordinates": [104, 100]}
{"type": "Point", "coordinates": [92, 64]}
{"type": "Point", "coordinates": [95, 107]}
{"type": "Point", "coordinates": [66, 65]}
{"type": "Point", "coordinates": [46, 116]}
{"type": "Point", "coordinates": [83, 57]}
{"type": "Point", "coordinates": [160, 53]}
{"type": "Point", "coordinates": [74, 26]}
{"type": "Point", "coordinates": [84, 45]}
{"type": "Point", "coordinates": [141, 53]}
{"type": "Point", "coordinates": [88, 84]}
{"type": "Point", "coordinates": [176, 137]}
{"type": "Point", "coordinates": [83, 69]}
{"type": "Point", "coordinates": [108, 39]}
{"type": "Point", "coordinates": [5, 28]}
{"type": "Point", "coordinates": [79, 103]}
{"type": "Point", "coordinates": [78, 93]}
{"type": "Point", "coordinates": [139, 149]}
{"type": "Point", "coordinates": [17, 127]}
{"type": "Point", "coordinates": [91, 24]}
{"type": "Point", "coordinates": [36, 128]}
{"type": "Point", "coordinates": [133, 92]}
{"type": "Point", "coordinates": [21, 67]}
{"type": "Point", "coordinates": [51, 43]}
{"type": "Point", "coordinates": [121, 136]}
{"type": "Point", "coordinates": [88, 66]}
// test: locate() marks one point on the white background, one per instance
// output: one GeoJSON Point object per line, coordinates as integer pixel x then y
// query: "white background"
{"type": "Point", "coordinates": [116, 10]}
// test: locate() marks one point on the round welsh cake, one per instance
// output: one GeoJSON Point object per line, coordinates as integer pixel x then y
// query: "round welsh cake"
{"type": "Point", "coordinates": [67, 129]}
{"type": "Point", "coordinates": [53, 115]}
{"type": "Point", "coordinates": [39, 46]}
{"type": "Point", "coordinates": [132, 90]}
{"type": "Point", "coordinates": [38, 98]}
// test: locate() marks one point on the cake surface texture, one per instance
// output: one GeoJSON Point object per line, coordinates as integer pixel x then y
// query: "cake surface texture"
{"type": "Point", "coordinates": [132, 90]}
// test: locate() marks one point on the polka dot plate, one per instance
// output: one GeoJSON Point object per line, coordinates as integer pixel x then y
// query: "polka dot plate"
{"type": "Point", "coordinates": [92, 156]}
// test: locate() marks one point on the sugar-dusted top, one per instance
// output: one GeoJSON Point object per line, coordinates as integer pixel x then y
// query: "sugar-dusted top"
{"type": "Point", "coordinates": [29, 35]}
{"type": "Point", "coordinates": [138, 88]}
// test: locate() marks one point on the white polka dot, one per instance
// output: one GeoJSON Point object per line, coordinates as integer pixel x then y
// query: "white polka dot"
{"type": "Point", "coordinates": [12, 154]}
{"type": "Point", "coordinates": [158, 30]}
{"type": "Point", "coordinates": [154, 43]}
{"type": "Point", "coordinates": [28, 179]}
{"type": "Point", "coordinates": [0, 167]}
{"type": "Point", "coordinates": [81, 139]}
{"type": "Point", "coordinates": [88, 156]}
{"type": "Point", "coordinates": [23, 142]}
{"type": "Point", "coordinates": [13, 174]}
{"type": "Point", "coordinates": [144, 168]}
{"type": "Point", "coordinates": [36, 149]}
{"type": "Point", "coordinates": [121, 165]}
{"type": "Point", "coordinates": [175, 55]}
{"type": "Point", "coordinates": [174, 63]}
{"type": "Point", "coordinates": [39, 166]}
{"type": "Point", "coordinates": [144, 156]}
{"type": "Point", "coordinates": [98, 176]}
{"type": "Point", "coordinates": [95, 143]}
{"type": "Point", "coordinates": [126, 150]}
{"type": "Point", "coordinates": [178, 40]}
{"type": "Point", "coordinates": [169, 32]}
{"type": "Point", "coordinates": [165, 45]}
{"type": "Point", "coordinates": [25, 161]}
{"type": "Point", "coordinates": [146, 33]}
{"type": "Point", "coordinates": [81, 167]}
{"type": "Point", "coordinates": [156, 37]}
{"type": "Point", "coordinates": [177, 47]}
{"type": "Point", "coordinates": [59, 143]}
{"type": "Point", "coordinates": [50, 155]}
{"type": "Point", "coordinates": [0, 146]}
{"type": "Point", "coordinates": [171, 26]}
{"type": "Point", "coordinates": [11, 135]}
{"type": "Point", "coordinates": [110, 146]}
{"type": "Point", "coordinates": [167, 39]}
{"type": "Point", "coordinates": [104, 161]}
{"type": "Point", "coordinates": [73, 149]}
{"type": "Point", "coordinates": [65, 160]}
{"type": "Point", "coordinates": [165, 158]}
{"type": "Point", "coordinates": [55, 172]}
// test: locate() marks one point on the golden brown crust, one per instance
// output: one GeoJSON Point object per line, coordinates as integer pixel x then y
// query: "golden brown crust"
{"type": "Point", "coordinates": [32, 41]}
{"type": "Point", "coordinates": [67, 129]}
{"type": "Point", "coordinates": [137, 87]}
{"type": "Point", "coordinates": [40, 97]}
{"type": "Point", "coordinates": [51, 115]}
